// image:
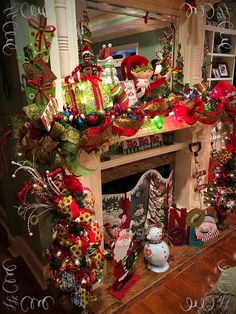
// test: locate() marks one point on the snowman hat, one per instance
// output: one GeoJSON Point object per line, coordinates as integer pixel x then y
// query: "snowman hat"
{"type": "Point", "coordinates": [134, 64]}
{"type": "Point", "coordinates": [209, 218]}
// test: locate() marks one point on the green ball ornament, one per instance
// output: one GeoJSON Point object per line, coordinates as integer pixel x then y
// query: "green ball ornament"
{"type": "Point", "coordinates": [129, 110]}
{"type": "Point", "coordinates": [54, 235]}
{"type": "Point", "coordinates": [65, 118]}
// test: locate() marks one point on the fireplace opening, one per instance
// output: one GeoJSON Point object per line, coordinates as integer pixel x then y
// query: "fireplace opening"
{"type": "Point", "coordinates": [127, 183]}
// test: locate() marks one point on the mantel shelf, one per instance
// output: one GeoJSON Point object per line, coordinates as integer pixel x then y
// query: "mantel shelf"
{"type": "Point", "coordinates": [170, 124]}
{"type": "Point", "coordinates": [118, 160]}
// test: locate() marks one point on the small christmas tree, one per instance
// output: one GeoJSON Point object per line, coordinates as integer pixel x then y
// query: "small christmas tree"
{"type": "Point", "coordinates": [84, 34]}
{"type": "Point", "coordinates": [156, 203]}
{"type": "Point", "coordinates": [220, 192]}
{"type": "Point", "coordinates": [178, 78]}
{"type": "Point", "coordinates": [167, 42]}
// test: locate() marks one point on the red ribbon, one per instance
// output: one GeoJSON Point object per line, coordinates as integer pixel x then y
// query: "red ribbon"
{"type": "Point", "coordinates": [93, 79]}
{"type": "Point", "coordinates": [41, 88]}
{"type": "Point", "coordinates": [21, 195]}
{"type": "Point", "coordinates": [41, 28]}
{"type": "Point", "coordinates": [71, 94]}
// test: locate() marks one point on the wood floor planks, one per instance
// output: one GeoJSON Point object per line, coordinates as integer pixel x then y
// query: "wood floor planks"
{"type": "Point", "coordinates": [195, 282]}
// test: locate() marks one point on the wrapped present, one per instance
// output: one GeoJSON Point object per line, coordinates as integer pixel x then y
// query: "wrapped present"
{"type": "Point", "coordinates": [35, 67]}
{"type": "Point", "coordinates": [39, 92]}
{"type": "Point", "coordinates": [41, 37]}
{"type": "Point", "coordinates": [129, 88]}
{"type": "Point", "coordinates": [88, 96]}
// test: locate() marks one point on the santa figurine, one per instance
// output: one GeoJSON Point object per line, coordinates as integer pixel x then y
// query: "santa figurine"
{"type": "Point", "coordinates": [139, 69]}
{"type": "Point", "coordinates": [124, 256]}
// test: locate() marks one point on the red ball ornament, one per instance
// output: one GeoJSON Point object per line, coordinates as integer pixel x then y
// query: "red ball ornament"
{"type": "Point", "coordinates": [91, 119]}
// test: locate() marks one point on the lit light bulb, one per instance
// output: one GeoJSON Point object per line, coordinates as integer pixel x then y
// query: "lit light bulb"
{"type": "Point", "coordinates": [158, 120]}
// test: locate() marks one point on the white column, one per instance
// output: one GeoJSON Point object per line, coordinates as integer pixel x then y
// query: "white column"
{"type": "Point", "coordinates": [62, 34]}
{"type": "Point", "coordinates": [93, 181]}
{"type": "Point", "coordinates": [191, 37]}
{"type": "Point", "coordinates": [67, 52]}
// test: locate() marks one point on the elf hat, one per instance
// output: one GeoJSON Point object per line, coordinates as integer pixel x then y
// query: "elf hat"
{"type": "Point", "coordinates": [135, 64]}
{"type": "Point", "coordinates": [86, 49]}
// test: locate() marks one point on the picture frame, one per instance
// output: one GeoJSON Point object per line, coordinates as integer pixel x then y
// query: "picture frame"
{"type": "Point", "coordinates": [216, 72]}
{"type": "Point", "coordinates": [223, 69]}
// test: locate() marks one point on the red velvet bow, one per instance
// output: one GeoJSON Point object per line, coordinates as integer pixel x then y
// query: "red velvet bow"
{"type": "Point", "coordinates": [41, 28]}
{"type": "Point", "coordinates": [23, 192]}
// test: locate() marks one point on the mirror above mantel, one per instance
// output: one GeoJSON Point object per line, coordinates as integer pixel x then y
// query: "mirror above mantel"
{"type": "Point", "coordinates": [125, 26]}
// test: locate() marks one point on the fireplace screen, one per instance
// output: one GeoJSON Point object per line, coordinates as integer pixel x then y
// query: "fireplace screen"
{"type": "Point", "coordinates": [141, 202]}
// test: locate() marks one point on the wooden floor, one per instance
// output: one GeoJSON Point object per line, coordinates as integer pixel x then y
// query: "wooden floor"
{"type": "Point", "coordinates": [195, 280]}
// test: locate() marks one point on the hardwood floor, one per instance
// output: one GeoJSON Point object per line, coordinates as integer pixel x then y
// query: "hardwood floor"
{"type": "Point", "coordinates": [194, 281]}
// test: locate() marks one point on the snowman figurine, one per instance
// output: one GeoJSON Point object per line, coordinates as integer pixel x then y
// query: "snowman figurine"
{"type": "Point", "coordinates": [156, 251]}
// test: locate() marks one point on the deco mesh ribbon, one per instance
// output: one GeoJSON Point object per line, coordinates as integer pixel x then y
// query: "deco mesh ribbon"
{"type": "Point", "coordinates": [74, 254]}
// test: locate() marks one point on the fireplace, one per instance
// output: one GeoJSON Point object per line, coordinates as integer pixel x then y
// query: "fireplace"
{"type": "Point", "coordinates": [124, 177]}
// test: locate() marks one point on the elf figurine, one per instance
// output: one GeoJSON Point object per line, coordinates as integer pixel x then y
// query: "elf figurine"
{"type": "Point", "coordinates": [139, 69]}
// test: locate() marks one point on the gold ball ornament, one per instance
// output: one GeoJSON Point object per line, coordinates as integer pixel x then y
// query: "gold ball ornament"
{"type": "Point", "coordinates": [101, 113]}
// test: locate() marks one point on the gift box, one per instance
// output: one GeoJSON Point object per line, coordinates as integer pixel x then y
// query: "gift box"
{"type": "Point", "coordinates": [39, 95]}
{"type": "Point", "coordinates": [41, 36]}
{"type": "Point", "coordinates": [88, 96]}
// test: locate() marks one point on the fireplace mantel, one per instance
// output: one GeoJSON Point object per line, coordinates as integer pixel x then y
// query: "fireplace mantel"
{"type": "Point", "coordinates": [64, 57]}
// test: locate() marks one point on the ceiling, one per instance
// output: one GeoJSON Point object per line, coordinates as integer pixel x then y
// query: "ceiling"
{"type": "Point", "coordinates": [108, 22]}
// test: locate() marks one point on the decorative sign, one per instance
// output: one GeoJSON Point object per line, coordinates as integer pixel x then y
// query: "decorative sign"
{"type": "Point", "coordinates": [113, 215]}
{"type": "Point", "coordinates": [200, 187]}
{"type": "Point", "coordinates": [207, 230]}
{"type": "Point", "coordinates": [142, 143]}
{"type": "Point", "coordinates": [199, 174]}
{"type": "Point", "coordinates": [181, 228]}
{"type": "Point", "coordinates": [129, 88]}
{"type": "Point", "coordinates": [50, 110]}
